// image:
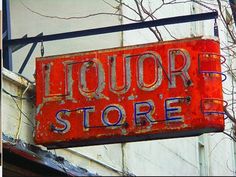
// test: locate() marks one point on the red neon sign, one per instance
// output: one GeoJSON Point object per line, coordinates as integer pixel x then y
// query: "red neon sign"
{"type": "Point", "coordinates": [143, 92]}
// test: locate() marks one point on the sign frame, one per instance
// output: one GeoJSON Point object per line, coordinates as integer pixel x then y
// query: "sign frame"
{"type": "Point", "coordinates": [156, 91]}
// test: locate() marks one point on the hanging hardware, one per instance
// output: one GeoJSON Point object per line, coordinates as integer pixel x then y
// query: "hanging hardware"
{"type": "Point", "coordinates": [42, 49]}
{"type": "Point", "coordinates": [117, 28]}
{"type": "Point", "coordinates": [216, 29]}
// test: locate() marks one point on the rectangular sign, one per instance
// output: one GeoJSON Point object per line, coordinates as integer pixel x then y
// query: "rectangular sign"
{"type": "Point", "coordinates": [143, 92]}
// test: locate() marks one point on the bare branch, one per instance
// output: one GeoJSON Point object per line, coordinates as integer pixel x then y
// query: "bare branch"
{"type": "Point", "coordinates": [78, 17]}
{"type": "Point", "coordinates": [229, 115]}
{"type": "Point", "coordinates": [114, 7]}
{"type": "Point", "coordinates": [156, 31]}
{"type": "Point", "coordinates": [132, 9]}
{"type": "Point", "coordinates": [225, 23]}
{"type": "Point", "coordinates": [233, 138]}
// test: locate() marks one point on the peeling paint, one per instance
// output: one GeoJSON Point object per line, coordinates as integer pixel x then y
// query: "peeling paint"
{"type": "Point", "coordinates": [95, 96]}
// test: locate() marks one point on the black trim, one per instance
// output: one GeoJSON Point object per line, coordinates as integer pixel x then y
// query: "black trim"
{"type": "Point", "coordinates": [36, 161]}
{"type": "Point", "coordinates": [112, 29]}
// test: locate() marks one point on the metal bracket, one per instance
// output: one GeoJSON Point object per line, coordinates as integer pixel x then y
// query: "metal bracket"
{"type": "Point", "coordinates": [117, 28]}
{"type": "Point", "coordinates": [96, 31]}
{"type": "Point", "coordinates": [28, 55]}
{"type": "Point", "coordinates": [211, 56]}
{"type": "Point", "coordinates": [14, 48]}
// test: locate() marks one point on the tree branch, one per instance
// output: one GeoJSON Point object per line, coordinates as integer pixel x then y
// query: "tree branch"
{"type": "Point", "coordinates": [229, 115]}
{"type": "Point", "coordinates": [225, 23]}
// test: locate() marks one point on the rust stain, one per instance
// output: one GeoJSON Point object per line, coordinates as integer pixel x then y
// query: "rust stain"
{"type": "Point", "coordinates": [114, 95]}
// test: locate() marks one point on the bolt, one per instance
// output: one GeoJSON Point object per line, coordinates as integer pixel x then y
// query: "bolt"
{"type": "Point", "coordinates": [90, 63]}
{"type": "Point", "coordinates": [52, 127]}
{"type": "Point", "coordinates": [126, 125]}
{"type": "Point", "coordinates": [59, 159]}
{"type": "Point", "coordinates": [188, 99]}
{"type": "Point", "coordinates": [143, 122]}
{"type": "Point", "coordinates": [189, 82]}
{"type": "Point", "coordinates": [46, 67]}
{"type": "Point", "coordinates": [112, 59]}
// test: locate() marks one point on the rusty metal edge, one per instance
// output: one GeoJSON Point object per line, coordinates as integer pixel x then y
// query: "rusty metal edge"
{"type": "Point", "coordinates": [42, 157]}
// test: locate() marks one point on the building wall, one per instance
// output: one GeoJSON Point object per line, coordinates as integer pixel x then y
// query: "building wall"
{"type": "Point", "coordinates": [24, 21]}
{"type": "Point", "coordinates": [209, 154]}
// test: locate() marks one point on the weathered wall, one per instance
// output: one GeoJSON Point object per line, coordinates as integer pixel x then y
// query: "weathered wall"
{"type": "Point", "coordinates": [211, 154]}
{"type": "Point", "coordinates": [24, 21]}
{"type": "Point", "coordinates": [161, 157]}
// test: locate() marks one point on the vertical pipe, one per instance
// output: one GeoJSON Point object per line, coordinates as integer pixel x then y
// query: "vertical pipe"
{"type": "Point", "coordinates": [7, 51]}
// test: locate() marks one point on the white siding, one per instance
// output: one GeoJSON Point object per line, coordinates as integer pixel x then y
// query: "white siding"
{"type": "Point", "coordinates": [161, 157]}
{"type": "Point", "coordinates": [24, 22]}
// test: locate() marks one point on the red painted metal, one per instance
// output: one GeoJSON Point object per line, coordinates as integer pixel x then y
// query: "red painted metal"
{"type": "Point", "coordinates": [143, 92]}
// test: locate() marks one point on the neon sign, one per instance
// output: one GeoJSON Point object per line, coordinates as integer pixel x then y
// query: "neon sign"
{"type": "Point", "coordinates": [143, 92]}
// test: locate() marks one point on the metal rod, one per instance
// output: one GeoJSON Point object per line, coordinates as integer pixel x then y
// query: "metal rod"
{"type": "Point", "coordinates": [28, 56]}
{"type": "Point", "coordinates": [7, 51]}
{"type": "Point", "coordinates": [112, 29]}
{"type": "Point", "coordinates": [19, 46]}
